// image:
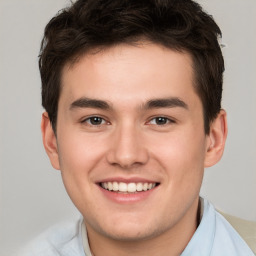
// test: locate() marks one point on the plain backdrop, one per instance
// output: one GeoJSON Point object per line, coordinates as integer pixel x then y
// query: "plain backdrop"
{"type": "Point", "coordinates": [32, 196]}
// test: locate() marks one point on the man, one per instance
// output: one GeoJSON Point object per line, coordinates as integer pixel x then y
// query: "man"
{"type": "Point", "coordinates": [132, 93]}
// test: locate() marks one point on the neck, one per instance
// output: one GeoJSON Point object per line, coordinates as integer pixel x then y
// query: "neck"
{"type": "Point", "coordinates": [171, 242]}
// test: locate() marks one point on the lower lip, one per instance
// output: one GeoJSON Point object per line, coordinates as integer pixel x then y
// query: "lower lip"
{"type": "Point", "coordinates": [126, 198]}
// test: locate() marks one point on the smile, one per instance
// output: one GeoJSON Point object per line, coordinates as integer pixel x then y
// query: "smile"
{"type": "Point", "coordinates": [127, 187]}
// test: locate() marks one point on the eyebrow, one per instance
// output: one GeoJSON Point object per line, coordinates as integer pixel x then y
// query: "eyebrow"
{"type": "Point", "coordinates": [153, 103]}
{"type": "Point", "coordinates": [89, 103]}
{"type": "Point", "coordinates": [165, 103]}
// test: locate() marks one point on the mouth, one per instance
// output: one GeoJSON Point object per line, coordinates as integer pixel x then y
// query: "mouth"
{"type": "Point", "coordinates": [128, 188]}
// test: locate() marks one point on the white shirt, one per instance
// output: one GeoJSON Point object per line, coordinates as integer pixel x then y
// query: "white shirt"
{"type": "Point", "coordinates": [213, 237]}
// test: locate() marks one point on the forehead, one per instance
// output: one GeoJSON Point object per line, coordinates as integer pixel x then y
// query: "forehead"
{"type": "Point", "coordinates": [128, 72]}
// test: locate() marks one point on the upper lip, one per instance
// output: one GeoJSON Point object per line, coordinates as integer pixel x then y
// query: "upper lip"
{"type": "Point", "coordinates": [128, 180]}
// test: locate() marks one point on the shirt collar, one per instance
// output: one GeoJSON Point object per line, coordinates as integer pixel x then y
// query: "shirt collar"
{"type": "Point", "coordinates": [85, 241]}
{"type": "Point", "coordinates": [202, 241]}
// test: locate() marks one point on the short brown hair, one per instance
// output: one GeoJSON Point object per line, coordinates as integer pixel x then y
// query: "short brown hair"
{"type": "Point", "coordinates": [180, 25]}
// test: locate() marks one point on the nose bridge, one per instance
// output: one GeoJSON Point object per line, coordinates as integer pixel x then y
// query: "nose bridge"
{"type": "Point", "coordinates": [127, 147]}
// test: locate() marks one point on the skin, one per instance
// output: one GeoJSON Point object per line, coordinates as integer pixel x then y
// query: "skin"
{"type": "Point", "coordinates": [129, 144]}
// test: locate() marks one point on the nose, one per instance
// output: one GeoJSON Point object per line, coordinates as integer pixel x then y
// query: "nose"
{"type": "Point", "coordinates": [127, 149]}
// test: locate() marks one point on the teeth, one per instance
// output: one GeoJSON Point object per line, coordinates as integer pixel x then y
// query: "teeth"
{"type": "Point", "coordinates": [131, 187]}
{"type": "Point", "coordinates": [115, 186]}
{"type": "Point", "coordinates": [139, 187]}
{"type": "Point", "coordinates": [127, 187]}
{"type": "Point", "coordinates": [109, 186]}
{"type": "Point", "coordinates": [122, 187]}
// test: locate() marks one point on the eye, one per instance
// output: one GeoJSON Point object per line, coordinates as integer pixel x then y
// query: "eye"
{"type": "Point", "coordinates": [95, 121]}
{"type": "Point", "coordinates": [160, 120]}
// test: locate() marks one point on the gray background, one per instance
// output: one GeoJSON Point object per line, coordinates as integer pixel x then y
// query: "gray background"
{"type": "Point", "coordinates": [32, 196]}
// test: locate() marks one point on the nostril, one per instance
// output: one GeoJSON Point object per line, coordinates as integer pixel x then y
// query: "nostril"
{"type": "Point", "coordinates": [127, 158]}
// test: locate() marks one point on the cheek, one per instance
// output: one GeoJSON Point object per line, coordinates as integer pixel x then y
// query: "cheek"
{"type": "Point", "coordinates": [79, 153]}
{"type": "Point", "coordinates": [182, 154]}
{"type": "Point", "coordinates": [78, 158]}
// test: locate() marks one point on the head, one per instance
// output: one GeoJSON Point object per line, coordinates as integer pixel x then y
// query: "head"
{"type": "Point", "coordinates": [94, 25]}
{"type": "Point", "coordinates": [132, 91]}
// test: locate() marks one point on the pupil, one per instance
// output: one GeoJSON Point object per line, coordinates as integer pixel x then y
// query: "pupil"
{"type": "Point", "coordinates": [161, 120]}
{"type": "Point", "coordinates": [96, 120]}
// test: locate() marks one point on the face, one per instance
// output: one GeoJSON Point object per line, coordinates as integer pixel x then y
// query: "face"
{"type": "Point", "coordinates": [130, 140]}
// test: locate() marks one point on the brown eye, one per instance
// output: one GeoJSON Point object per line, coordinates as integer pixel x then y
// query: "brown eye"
{"type": "Point", "coordinates": [160, 120]}
{"type": "Point", "coordinates": [94, 120]}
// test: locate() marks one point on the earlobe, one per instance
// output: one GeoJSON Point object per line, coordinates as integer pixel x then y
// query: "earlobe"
{"type": "Point", "coordinates": [216, 139]}
{"type": "Point", "coordinates": [49, 141]}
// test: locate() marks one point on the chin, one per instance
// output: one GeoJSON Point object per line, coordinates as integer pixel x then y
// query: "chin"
{"type": "Point", "coordinates": [130, 235]}
{"type": "Point", "coordinates": [131, 232]}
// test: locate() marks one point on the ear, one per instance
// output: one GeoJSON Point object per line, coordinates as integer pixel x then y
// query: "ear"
{"type": "Point", "coordinates": [50, 141]}
{"type": "Point", "coordinates": [216, 139]}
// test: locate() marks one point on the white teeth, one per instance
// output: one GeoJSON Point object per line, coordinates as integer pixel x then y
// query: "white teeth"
{"type": "Point", "coordinates": [115, 186]}
{"type": "Point", "coordinates": [109, 186]}
{"type": "Point", "coordinates": [145, 186]}
{"type": "Point", "coordinates": [139, 187]}
{"type": "Point", "coordinates": [127, 187]}
{"type": "Point", "coordinates": [122, 187]}
{"type": "Point", "coordinates": [131, 187]}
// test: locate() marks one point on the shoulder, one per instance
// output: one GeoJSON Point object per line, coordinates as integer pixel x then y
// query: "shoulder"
{"type": "Point", "coordinates": [215, 236]}
{"type": "Point", "coordinates": [227, 239]}
{"type": "Point", "coordinates": [246, 229]}
{"type": "Point", "coordinates": [61, 239]}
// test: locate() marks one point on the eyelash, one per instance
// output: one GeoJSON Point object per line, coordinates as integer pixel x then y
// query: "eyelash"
{"type": "Point", "coordinates": [89, 121]}
{"type": "Point", "coordinates": [161, 118]}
